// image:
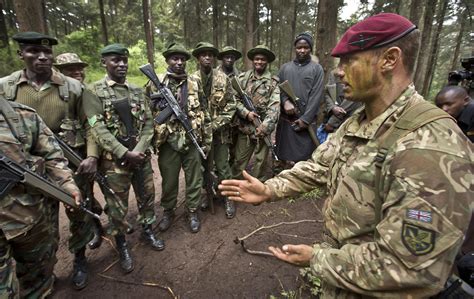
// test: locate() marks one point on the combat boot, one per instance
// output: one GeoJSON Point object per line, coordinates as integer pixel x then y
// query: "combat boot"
{"type": "Point", "coordinates": [165, 223]}
{"type": "Point", "coordinates": [194, 222]}
{"type": "Point", "coordinates": [79, 271]}
{"type": "Point", "coordinates": [98, 233]}
{"type": "Point", "coordinates": [150, 238]}
{"type": "Point", "coordinates": [229, 208]}
{"type": "Point", "coordinates": [126, 261]}
{"type": "Point", "coordinates": [204, 203]}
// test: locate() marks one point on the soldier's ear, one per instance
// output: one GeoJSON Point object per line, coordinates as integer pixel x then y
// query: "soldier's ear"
{"type": "Point", "coordinates": [20, 53]}
{"type": "Point", "coordinates": [102, 61]}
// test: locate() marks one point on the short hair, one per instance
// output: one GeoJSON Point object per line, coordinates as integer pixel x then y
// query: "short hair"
{"type": "Point", "coordinates": [409, 45]}
{"type": "Point", "coordinates": [456, 89]}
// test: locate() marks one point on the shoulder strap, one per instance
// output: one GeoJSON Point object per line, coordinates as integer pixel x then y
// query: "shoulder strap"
{"type": "Point", "coordinates": [9, 86]}
{"type": "Point", "coordinates": [13, 120]}
{"type": "Point", "coordinates": [412, 119]}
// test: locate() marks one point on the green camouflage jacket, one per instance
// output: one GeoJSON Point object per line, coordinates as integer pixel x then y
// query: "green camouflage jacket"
{"type": "Point", "coordinates": [265, 95]}
{"type": "Point", "coordinates": [221, 104]}
{"type": "Point", "coordinates": [38, 150]}
{"type": "Point", "coordinates": [428, 187]}
{"type": "Point", "coordinates": [235, 71]}
{"type": "Point", "coordinates": [172, 131]}
{"type": "Point", "coordinates": [105, 122]}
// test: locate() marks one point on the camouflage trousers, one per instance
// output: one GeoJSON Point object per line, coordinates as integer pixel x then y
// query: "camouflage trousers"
{"type": "Point", "coordinates": [170, 163]}
{"type": "Point", "coordinates": [120, 179]}
{"type": "Point", "coordinates": [219, 155]}
{"type": "Point", "coordinates": [27, 262]}
{"type": "Point", "coordinates": [244, 148]}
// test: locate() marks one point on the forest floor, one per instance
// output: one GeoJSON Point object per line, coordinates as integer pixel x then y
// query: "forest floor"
{"type": "Point", "coordinates": [208, 264]}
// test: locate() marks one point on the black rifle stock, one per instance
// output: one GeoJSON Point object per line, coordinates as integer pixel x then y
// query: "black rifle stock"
{"type": "Point", "coordinates": [13, 173]}
{"type": "Point", "coordinates": [173, 106]}
{"type": "Point", "coordinates": [76, 160]}
{"type": "Point", "coordinates": [247, 101]}
{"type": "Point", "coordinates": [286, 87]}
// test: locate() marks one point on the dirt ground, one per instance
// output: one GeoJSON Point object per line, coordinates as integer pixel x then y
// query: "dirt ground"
{"type": "Point", "coordinates": [204, 265]}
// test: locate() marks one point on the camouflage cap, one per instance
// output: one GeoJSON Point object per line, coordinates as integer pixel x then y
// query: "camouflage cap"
{"type": "Point", "coordinates": [114, 49]}
{"type": "Point", "coordinates": [175, 48]}
{"type": "Point", "coordinates": [69, 59]}
{"type": "Point", "coordinates": [228, 50]}
{"type": "Point", "coordinates": [261, 49]}
{"type": "Point", "coordinates": [203, 46]}
{"type": "Point", "coordinates": [34, 38]}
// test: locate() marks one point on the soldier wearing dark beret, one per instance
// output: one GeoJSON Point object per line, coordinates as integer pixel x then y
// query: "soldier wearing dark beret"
{"type": "Point", "coordinates": [121, 122]}
{"type": "Point", "coordinates": [58, 100]}
{"type": "Point", "coordinates": [398, 173]}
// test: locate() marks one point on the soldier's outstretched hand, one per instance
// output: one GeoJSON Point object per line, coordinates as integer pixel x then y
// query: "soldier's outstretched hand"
{"type": "Point", "coordinates": [88, 167]}
{"type": "Point", "coordinates": [299, 255]}
{"type": "Point", "coordinates": [248, 190]}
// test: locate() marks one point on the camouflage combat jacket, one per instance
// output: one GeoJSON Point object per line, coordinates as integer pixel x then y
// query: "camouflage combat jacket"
{"type": "Point", "coordinates": [172, 131]}
{"type": "Point", "coordinates": [265, 95]}
{"type": "Point", "coordinates": [235, 71]}
{"type": "Point", "coordinates": [428, 187]}
{"type": "Point", "coordinates": [105, 121]}
{"type": "Point", "coordinates": [220, 104]}
{"type": "Point", "coordinates": [37, 150]}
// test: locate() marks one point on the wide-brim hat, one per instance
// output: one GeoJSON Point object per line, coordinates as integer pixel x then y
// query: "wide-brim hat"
{"type": "Point", "coordinates": [202, 47]}
{"type": "Point", "coordinates": [34, 38]}
{"type": "Point", "coordinates": [228, 50]}
{"type": "Point", "coordinates": [175, 48]}
{"type": "Point", "coordinates": [67, 59]}
{"type": "Point", "coordinates": [261, 49]}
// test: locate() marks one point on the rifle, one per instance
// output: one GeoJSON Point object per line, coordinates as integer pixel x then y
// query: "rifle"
{"type": "Point", "coordinates": [171, 108]}
{"type": "Point", "coordinates": [210, 182]}
{"type": "Point", "coordinates": [13, 173]}
{"type": "Point", "coordinates": [286, 87]}
{"type": "Point", "coordinates": [247, 101]}
{"type": "Point", "coordinates": [76, 160]}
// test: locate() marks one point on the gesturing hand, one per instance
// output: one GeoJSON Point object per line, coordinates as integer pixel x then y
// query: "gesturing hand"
{"type": "Point", "coordinates": [248, 190]}
{"type": "Point", "coordinates": [299, 255]}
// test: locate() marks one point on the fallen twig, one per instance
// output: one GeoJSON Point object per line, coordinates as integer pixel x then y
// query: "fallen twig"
{"type": "Point", "coordinates": [238, 239]}
{"type": "Point", "coordinates": [255, 252]}
{"type": "Point", "coordinates": [147, 284]}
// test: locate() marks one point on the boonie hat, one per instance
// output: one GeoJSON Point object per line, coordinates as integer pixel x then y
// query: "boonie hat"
{"type": "Point", "coordinates": [261, 49]}
{"type": "Point", "coordinates": [69, 59]}
{"type": "Point", "coordinates": [202, 47]}
{"type": "Point", "coordinates": [228, 50]}
{"type": "Point", "coordinates": [175, 48]}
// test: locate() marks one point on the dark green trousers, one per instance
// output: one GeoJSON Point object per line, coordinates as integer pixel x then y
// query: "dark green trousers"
{"type": "Point", "coordinates": [244, 148]}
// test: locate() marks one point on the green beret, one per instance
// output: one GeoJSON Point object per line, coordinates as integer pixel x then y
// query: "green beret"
{"type": "Point", "coordinates": [175, 48]}
{"type": "Point", "coordinates": [261, 49]}
{"type": "Point", "coordinates": [66, 59]}
{"type": "Point", "coordinates": [111, 49]}
{"type": "Point", "coordinates": [34, 38]}
{"type": "Point", "coordinates": [202, 47]}
{"type": "Point", "coordinates": [228, 50]}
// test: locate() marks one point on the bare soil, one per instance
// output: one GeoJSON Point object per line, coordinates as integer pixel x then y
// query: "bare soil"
{"type": "Point", "coordinates": [204, 265]}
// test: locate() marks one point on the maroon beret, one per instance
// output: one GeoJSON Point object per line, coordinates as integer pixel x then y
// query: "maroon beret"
{"type": "Point", "coordinates": [373, 32]}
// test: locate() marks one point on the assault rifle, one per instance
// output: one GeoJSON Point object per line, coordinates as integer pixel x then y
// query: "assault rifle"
{"type": "Point", "coordinates": [172, 107]}
{"type": "Point", "coordinates": [76, 160]}
{"type": "Point", "coordinates": [247, 101]}
{"type": "Point", "coordinates": [12, 173]}
{"type": "Point", "coordinates": [286, 87]}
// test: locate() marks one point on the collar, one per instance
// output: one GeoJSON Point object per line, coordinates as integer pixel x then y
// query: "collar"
{"type": "Point", "coordinates": [369, 130]}
{"type": "Point", "coordinates": [295, 61]}
{"type": "Point", "coordinates": [265, 75]}
{"type": "Point", "coordinates": [55, 78]}
{"type": "Point", "coordinates": [465, 116]}
{"type": "Point", "coordinates": [112, 83]}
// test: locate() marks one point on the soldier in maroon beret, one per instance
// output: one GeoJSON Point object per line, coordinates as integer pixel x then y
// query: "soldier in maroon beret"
{"type": "Point", "coordinates": [398, 174]}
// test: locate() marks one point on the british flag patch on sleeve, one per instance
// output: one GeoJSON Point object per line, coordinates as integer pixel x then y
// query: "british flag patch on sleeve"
{"type": "Point", "coordinates": [419, 215]}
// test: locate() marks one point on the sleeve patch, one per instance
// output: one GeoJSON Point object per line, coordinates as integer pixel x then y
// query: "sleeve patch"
{"type": "Point", "coordinates": [92, 120]}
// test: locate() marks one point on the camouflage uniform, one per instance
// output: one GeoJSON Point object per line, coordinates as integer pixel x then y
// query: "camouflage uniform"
{"type": "Point", "coordinates": [28, 238]}
{"type": "Point", "coordinates": [221, 107]}
{"type": "Point", "coordinates": [63, 114]}
{"type": "Point", "coordinates": [410, 251]}
{"type": "Point", "coordinates": [235, 71]}
{"type": "Point", "coordinates": [106, 127]}
{"type": "Point", "coordinates": [265, 95]}
{"type": "Point", "coordinates": [175, 150]}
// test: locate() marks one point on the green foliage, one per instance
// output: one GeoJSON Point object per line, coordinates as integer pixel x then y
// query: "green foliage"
{"type": "Point", "coordinates": [313, 283]}
{"type": "Point", "coordinates": [82, 42]}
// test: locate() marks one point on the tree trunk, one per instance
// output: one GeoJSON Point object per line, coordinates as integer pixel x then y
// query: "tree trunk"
{"type": "Point", "coordinates": [148, 24]}
{"type": "Point", "coordinates": [326, 32]}
{"type": "Point", "coordinates": [30, 15]}
{"type": "Point", "coordinates": [416, 11]}
{"type": "Point", "coordinates": [3, 29]}
{"type": "Point", "coordinates": [198, 22]}
{"type": "Point", "coordinates": [271, 29]}
{"type": "Point", "coordinates": [227, 21]}
{"type": "Point", "coordinates": [463, 18]}
{"type": "Point", "coordinates": [215, 22]}
{"type": "Point", "coordinates": [103, 21]}
{"type": "Point", "coordinates": [293, 28]}
{"type": "Point", "coordinates": [433, 57]}
{"type": "Point", "coordinates": [249, 31]}
{"type": "Point", "coordinates": [421, 66]}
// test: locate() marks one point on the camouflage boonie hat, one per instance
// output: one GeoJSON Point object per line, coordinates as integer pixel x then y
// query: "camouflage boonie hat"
{"type": "Point", "coordinates": [175, 48]}
{"type": "Point", "coordinates": [66, 59]}
{"type": "Point", "coordinates": [203, 46]}
{"type": "Point", "coordinates": [261, 49]}
{"type": "Point", "coordinates": [34, 38]}
{"type": "Point", "coordinates": [114, 49]}
{"type": "Point", "coordinates": [228, 50]}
